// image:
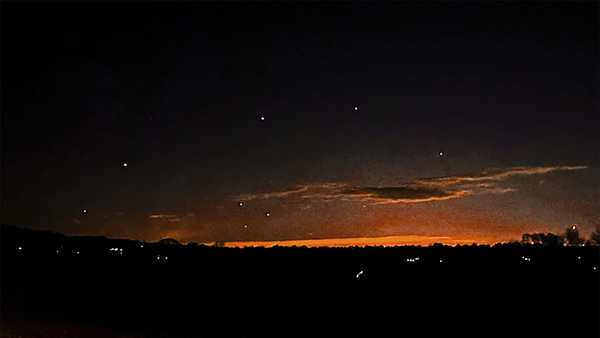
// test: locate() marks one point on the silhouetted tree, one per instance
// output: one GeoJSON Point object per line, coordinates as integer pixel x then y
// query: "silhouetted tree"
{"type": "Point", "coordinates": [595, 237]}
{"type": "Point", "coordinates": [552, 240]}
{"type": "Point", "coordinates": [572, 236]}
{"type": "Point", "coordinates": [548, 239]}
{"type": "Point", "coordinates": [169, 241]}
{"type": "Point", "coordinates": [526, 239]}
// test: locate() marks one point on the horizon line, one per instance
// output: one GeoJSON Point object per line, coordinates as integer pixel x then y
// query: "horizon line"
{"type": "Point", "coordinates": [386, 241]}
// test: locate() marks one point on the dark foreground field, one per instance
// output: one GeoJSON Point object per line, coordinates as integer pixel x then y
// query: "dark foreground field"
{"type": "Point", "coordinates": [56, 286]}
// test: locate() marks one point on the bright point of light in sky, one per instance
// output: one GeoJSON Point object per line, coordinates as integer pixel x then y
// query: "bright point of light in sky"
{"type": "Point", "coordinates": [124, 164]}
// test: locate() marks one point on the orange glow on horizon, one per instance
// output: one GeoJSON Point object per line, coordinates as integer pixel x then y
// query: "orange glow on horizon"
{"type": "Point", "coordinates": [364, 241]}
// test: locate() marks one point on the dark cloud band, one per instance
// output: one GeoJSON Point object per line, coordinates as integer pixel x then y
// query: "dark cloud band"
{"type": "Point", "coordinates": [417, 191]}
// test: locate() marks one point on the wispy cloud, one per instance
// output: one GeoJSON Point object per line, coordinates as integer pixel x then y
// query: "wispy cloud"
{"type": "Point", "coordinates": [274, 194]}
{"type": "Point", "coordinates": [167, 217]}
{"type": "Point", "coordinates": [418, 191]}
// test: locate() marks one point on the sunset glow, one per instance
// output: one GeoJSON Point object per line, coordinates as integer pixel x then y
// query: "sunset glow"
{"type": "Point", "coordinates": [363, 241]}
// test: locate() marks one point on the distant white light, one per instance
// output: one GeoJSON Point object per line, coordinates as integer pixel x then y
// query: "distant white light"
{"type": "Point", "coordinates": [355, 108]}
{"type": "Point", "coordinates": [268, 214]}
{"type": "Point", "coordinates": [441, 153]}
{"type": "Point", "coordinates": [595, 268]}
{"type": "Point", "coordinates": [84, 211]}
{"type": "Point", "coordinates": [240, 204]}
{"type": "Point", "coordinates": [441, 261]}
{"type": "Point", "coordinates": [245, 226]}
{"type": "Point", "coordinates": [77, 252]}
{"type": "Point", "coordinates": [359, 274]}
{"type": "Point", "coordinates": [166, 258]}
{"type": "Point", "coordinates": [124, 164]}
{"type": "Point", "coordinates": [141, 245]}
{"type": "Point", "coordinates": [20, 248]}
{"type": "Point", "coordinates": [578, 257]}
{"type": "Point", "coordinates": [158, 258]}
{"type": "Point", "coordinates": [262, 118]}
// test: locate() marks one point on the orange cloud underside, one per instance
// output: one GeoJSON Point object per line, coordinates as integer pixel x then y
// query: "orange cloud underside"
{"type": "Point", "coordinates": [364, 241]}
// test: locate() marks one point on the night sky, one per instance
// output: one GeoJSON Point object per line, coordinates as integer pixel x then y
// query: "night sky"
{"type": "Point", "coordinates": [258, 122]}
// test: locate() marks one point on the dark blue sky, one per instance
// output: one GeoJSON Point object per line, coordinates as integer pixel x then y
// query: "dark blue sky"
{"type": "Point", "coordinates": [177, 91]}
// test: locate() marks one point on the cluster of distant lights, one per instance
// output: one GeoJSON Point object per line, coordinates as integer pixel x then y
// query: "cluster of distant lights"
{"type": "Point", "coordinates": [160, 257]}
{"type": "Point", "coordinates": [117, 250]}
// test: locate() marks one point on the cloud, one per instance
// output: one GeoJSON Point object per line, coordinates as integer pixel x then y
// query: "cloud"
{"type": "Point", "coordinates": [494, 175]}
{"type": "Point", "coordinates": [418, 191]}
{"type": "Point", "coordinates": [275, 194]}
{"type": "Point", "coordinates": [166, 217]}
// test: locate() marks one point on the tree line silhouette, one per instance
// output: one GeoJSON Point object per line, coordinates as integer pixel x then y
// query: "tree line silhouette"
{"type": "Point", "coordinates": [183, 289]}
{"type": "Point", "coordinates": [571, 237]}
